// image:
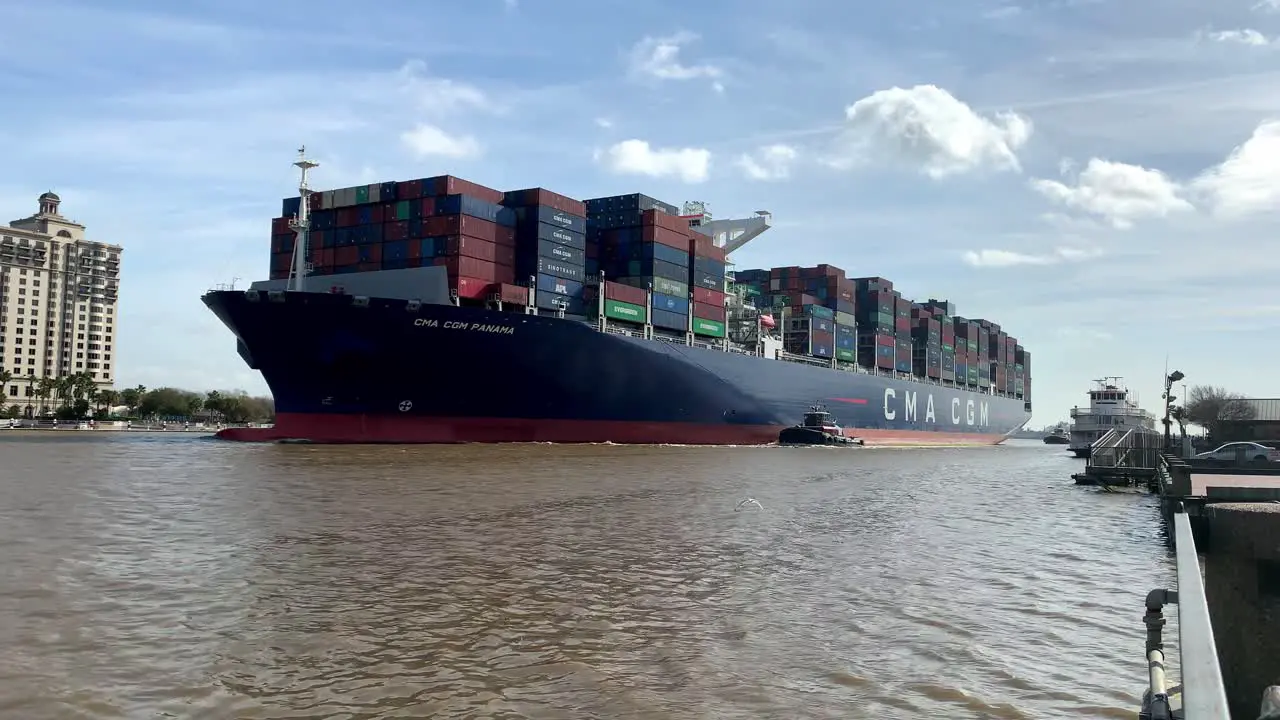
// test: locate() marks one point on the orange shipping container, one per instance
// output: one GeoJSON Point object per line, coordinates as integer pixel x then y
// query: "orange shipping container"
{"type": "Point", "coordinates": [708, 312]}
{"type": "Point", "coordinates": [346, 255]}
{"type": "Point", "coordinates": [512, 294]}
{"type": "Point", "coordinates": [675, 223]}
{"type": "Point", "coordinates": [450, 185]}
{"type": "Point", "coordinates": [468, 267]}
{"type": "Point", "coordinates": [460, 225]}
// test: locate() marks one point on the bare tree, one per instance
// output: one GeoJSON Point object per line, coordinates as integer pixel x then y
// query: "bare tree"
{"type": "Point", "coordinates": [1211, 407]}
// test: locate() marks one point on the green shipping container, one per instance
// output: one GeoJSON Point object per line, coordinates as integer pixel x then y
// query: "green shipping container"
{"type": "Point", "coordinates": [846, 355]}
{"type": "Point", "coordinates": [362, 194]}
{"type": "Point", "coordinates": [948, 348]}
{"type": "Point", "coordinates": [402, 210]}
{"type": "Point", "coordinates": [670, 287]}
{"type": "Point", "coordinates": [845, 319]}
{"type": "Point", "coordinates": [884, 319]}
{"type": "Point", "coordinates": [710, 328]}
{"type": "Point", "coordinates": [619, 310]}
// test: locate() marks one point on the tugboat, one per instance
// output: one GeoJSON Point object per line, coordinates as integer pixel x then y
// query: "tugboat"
{"type": "Point", "coordinates": [818, 428]}
{"type": "Point", "coordinates": [1059, 436]}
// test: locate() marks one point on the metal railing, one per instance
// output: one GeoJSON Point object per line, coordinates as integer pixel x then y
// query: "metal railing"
{"type": "Point", "coordinates": [1203, 694]}
{"type": "Point", "coordinates": [1127, 449]}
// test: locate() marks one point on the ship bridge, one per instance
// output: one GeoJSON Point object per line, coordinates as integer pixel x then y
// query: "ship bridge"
{"type": "Point", "coordinates": [728, 234]}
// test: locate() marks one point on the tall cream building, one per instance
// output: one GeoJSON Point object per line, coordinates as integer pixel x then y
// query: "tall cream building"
{"type": "Point", "coordinates": [58, 295]}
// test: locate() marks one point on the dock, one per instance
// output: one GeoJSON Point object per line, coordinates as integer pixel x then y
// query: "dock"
{"type": "Point", "coordinates": [1123, 457]}
{"type": "Point", "coordinates": [1223, 522]}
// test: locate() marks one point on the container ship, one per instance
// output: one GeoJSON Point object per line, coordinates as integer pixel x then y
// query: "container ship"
{"type": "Point", "coordinates": [438, 310]}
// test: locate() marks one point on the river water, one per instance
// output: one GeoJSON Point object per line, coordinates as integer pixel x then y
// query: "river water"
{"type": "Point", "coordinates": [146, 576]}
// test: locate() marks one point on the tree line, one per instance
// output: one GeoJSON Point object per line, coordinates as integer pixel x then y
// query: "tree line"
{"type": "Point", "coordinates": [79, 397]}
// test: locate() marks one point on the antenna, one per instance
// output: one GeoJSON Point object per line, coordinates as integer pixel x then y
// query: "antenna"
{"type": "Point", "coordinates": [301, 223]}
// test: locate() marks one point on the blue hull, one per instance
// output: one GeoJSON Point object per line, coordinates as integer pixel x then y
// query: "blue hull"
{"type": "Point", "coordinates": [439, 373]}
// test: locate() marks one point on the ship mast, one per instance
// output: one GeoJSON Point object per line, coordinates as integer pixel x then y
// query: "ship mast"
{"type": "Point", "coordinates": [301, 223]}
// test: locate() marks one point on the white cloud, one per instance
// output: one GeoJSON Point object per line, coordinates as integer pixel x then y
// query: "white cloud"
{"type": "Point", "coordinates": [1244, 36]}
{"type": "Point", "coordinates": [605, 123]}
{"type": "Point", "coordinates": [431, 141]}
{"type": "Point", "coordinates": [1117, 192]}
{"type": "Point", "coordinates": [636, 157]}
{"type": "Point", "coordinates": [1003, 13]}
{"type": "Point", "coordinates": [1248, 181]}
{"type": "Point", "coordinates": [929, 128]}
{"type": "Point", "coordinates": [991, 258]}
{"type": "Point", "coordinates": [659, 58]}
{"type": "Point", "coordinates": [769, 163]}
{"type": "Point", "coordinates": [1267, 5]}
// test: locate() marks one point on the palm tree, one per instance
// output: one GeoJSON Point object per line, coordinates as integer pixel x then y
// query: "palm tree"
{"type": "Point", "coordinates": [5, 378]}
{"type": "Point", "coordinates": [45, 387]}
{"type": "Point", "coordinates": [107, 399]}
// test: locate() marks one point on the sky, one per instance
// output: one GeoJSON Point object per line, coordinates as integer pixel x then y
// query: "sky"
{"type": "Point", "coordinates": [1099, 177]}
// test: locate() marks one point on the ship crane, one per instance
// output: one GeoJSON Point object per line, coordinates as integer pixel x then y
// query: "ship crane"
{"type": "Point", "coordinates": [728, 234]}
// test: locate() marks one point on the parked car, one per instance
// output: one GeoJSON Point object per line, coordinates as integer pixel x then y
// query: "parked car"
{"type": "Point", "coordinates": [1241, 452]}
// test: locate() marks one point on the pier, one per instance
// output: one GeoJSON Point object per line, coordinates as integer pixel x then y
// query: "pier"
{"type": "Point", "coordinates": [1223, 522]}
{"type": "Point", "coordinates": [1123, 457]}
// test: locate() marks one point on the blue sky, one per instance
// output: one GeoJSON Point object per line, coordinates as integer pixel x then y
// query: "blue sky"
{"type": "Point", "coordinates": [1097, 176]}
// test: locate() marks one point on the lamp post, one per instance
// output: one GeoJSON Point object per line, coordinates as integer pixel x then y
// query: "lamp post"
{"type": "Point", "coordinates": [1169, 380]}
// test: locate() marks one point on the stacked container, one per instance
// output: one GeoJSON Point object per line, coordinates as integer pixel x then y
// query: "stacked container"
{"type": "Point", "coordinates": [444, 220]}
{"type": "Point", "coordinates": [645, 248]}
{"type": "Point", "coordinates": [875, 308]}
{"type": "Point", "coordinates": [623, 303]}
{"type": "Point", "coordinates": [1022, 372]}
{"type": "Point", "coordinates": [550, 248]}
{"type": "Point", "coordinates": [926, 343]}
{"type": "Point", "coordinates": [706, 282]}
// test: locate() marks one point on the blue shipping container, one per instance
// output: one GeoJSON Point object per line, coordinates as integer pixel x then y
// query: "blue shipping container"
{"type": "Point", "coordinates": [395, 250]}
{"type": "Point", "coordinates": [669, 320]}
{"type": "Point", "coordinates": [646, 268]}
{"type": "Point", "coordinates": [364, 214]}
{"type": "Point", "coordinates": [646, 251]}
{"type": "Point", "coordinates": [706, 280]}
{"type": "Point", "coordinates": [554, 251]}
{"type": "Point", "coordinates": [551, 301]}
{"type": "Point", "coordinates": [538, 232]}
{"type": "Point", "coordinates": [709, 266]}
{"type": "Point", "coordinates": [671, 303]}
{"type": "Point", "coordinates": [467, 205]}
{"type": "Point", "coordinates": [290, 206]}
{"type": "Point", "coordinates": [593, 266]}
{"type": "Point", "coordinates": [821, 349]}
{"type": "Point", "coordinates": [845, 342]}
{"type": "Point", "coordinates": [845, 330]}
{"type": "Point", "coordinates": [551, 216]}
{"type": "Point", "coordinates": [634, 201]}
{"type": "Point", "coordinates": [559, 286]}
{"type": "Point", "coordinates": [547, 266]}
{"type": "Point", "coordinates": [387, 193]}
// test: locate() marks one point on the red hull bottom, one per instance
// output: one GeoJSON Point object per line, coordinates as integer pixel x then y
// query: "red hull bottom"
{"type": "Point", "coordinates": [366, 429]}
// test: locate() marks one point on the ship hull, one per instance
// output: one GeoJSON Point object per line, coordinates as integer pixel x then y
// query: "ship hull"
{"type": "Point", "coordinates": [382, 373]}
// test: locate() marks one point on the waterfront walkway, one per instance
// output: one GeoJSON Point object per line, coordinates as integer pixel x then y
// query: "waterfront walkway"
{"type": "Point", "coordinates": [1229, 617]}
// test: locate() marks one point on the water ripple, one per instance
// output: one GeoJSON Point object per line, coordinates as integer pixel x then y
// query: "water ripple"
{"type": "Point", "coordinates": [164, 577]}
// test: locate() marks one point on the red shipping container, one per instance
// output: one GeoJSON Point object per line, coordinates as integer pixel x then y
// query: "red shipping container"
{"type": "Point", "coordinates": [543, 196]}
{"type": "Point", "coordinates": [460, 225]}
{"type": "Point", "coordinates": [469, 287]}
{"type": "Point", "coordinates": [505, 236]}
{"type": "Point", "coordinates": [675, 223]}
{"type": "Point", "coordinates": [503, 255]}
{"type": "Point", "coordinates": [902, 324]}
{"type": "Point", "coordinates": [450, 185]}
{"type": "Point", "coordinates": [346, 255]}
{"type": "Point", "coordinates": [324, 257]}
{"type": "Point", "coordinates": [710, 312]}
{"type": "Point", "coordinates": [370, 253]}
{"type": "Point", "coordinates": [280, 226]}
{"type": "Point", "coordinates": [427, 207]}
{"type": "Point", "coordinates": [470, 247]}
{"type": "Point", "coordinates": [345, 217]}
{"type": "Point", "coordinates": [460, 266]}
{"type": "Point", "coordinates": [708, 296]}
{"type": "Point", "coordinates": [504, 274]}
{"type": "Point", "coordinates": [513, 294]}
{"type": "Point", "coordinates": [281, 261]}
{"type": "Point", "coordinates": [316, 201]}
{"type": "Point", "coordinates": [717, 253]}
{"type": "Point", "coordinates": [414, 249]}
{"type": "Point", "coordinates": [625, 293]}
{"type": "Point", "coordinates": [886, 340]}
{"type": "Point", "coordinates": [398, 230]}
{"type": "Point", "coordinates": [663, 236]}
{"type": "Point", "coordinates": [369, 267]}
{"type": "Point", "coordinates": [934, 371]}
{"type": "Point", "coordinates": [408, 190]}
{"type": "Point", "coordinates": [830, 271]}
{"type": "Point", "coordinates": [593, 251]}
{"type": "Point", "coordinates": [377, 214]}
{"type": "Point", "coordinates": [699, 245]}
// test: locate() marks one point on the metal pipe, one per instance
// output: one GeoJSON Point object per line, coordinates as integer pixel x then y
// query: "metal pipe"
{"type": "Point", "coordinates": [1204, 697]}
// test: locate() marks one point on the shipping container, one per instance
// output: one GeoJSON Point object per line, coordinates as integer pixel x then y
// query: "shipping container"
{"type": "Point", "coordinates": [845, 330]}
{"type": "Point", "coordinates": [845, 354]}
{"type": "Point", "coordinates": [540, 232]}
{"type": "Point", "coordinates": [511, 294]}
{"type": "Point", "coordinates": [550, 216]}
{"type": "Point", "coordinates": [669, 320]}
{"type": "Point", "coordinates": [466, 225]}
{"type": "Point", "coordinates": [708, 296]}
{"type": "Point", "coordinates": [709, 266]}
{"type": "Point", "coordinates": [646, 268]}
{"type": "Point", "coordinates": [626, 293]}
{"type": "Point", "coordinates": [671, 303]}
{"type": "Point", "coordinates": [547, 266]}
{"type": "Point", "coordinates": [543, 196]}
{"type": "Point", "coordinates": [902, 356]}
{"type": "Point", "coordinates": [554, 251]}
{"type": "Point", "coordinates": [663, 236]}
{"type": "Point", "coordinates": [707, 280]}
{"type": "Point", "coordinates": [555, 301]}
{"type": "Point", "coordinates": [458, 266]}
{"type": "Point", "coordinates": [643, 251]}
{"type": "Point", "coordinates": [629, 312]}
{"type": "Point", "coordinates": [450, 185]}
{"type": "Point", "coordinates": [472, 207]}
{"type": "Point", "coordinates": [633, 202]}
{"type": "Point", "coordinates": [559, 286]}
{"type": "Point", "coordinates": [468, 247]}
{"type": "Point", "coordinates": [708, 327]}
{"type": "Point", "coordinates": [709, 312]}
